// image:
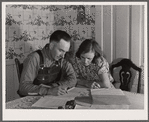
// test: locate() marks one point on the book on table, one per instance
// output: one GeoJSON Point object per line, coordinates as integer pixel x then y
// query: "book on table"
{"type": "Point", "coordinates": [109, 99]}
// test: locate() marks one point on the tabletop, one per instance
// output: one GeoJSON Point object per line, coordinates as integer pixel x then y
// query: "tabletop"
{"type": "Point", "coordinates": [136, 101]}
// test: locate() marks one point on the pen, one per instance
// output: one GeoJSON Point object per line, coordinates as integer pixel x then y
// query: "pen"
{"type": "Point", "coordinates": [70, 89]}
{"type": "Point", "coordinates": [66, 91]}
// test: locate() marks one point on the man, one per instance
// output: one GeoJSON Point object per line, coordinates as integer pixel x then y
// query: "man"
{"type": "Point", "coordinates": [55, 75]}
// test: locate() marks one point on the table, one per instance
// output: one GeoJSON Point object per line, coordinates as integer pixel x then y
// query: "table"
{"type": "Point", "coordinates": [136, 100]}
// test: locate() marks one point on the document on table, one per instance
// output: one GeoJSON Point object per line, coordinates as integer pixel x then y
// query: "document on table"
{"type": "Point", "coordinates": [74, 92]}
{"type": "Point", "coordinates": [57, 101]}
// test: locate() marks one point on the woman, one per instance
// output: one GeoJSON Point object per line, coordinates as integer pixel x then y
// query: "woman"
{"type": "Point", "coordinates": [92, 69]}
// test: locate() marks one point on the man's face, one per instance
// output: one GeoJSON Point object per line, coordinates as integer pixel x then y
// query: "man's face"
{"type": "Point", "coordinates": [59, 49]}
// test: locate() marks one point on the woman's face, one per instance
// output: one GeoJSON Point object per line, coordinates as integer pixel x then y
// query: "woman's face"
{"type": "Point", "coordinates": [86, 58]}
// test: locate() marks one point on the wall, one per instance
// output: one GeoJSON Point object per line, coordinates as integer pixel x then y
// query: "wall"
{"type": "Point", "coordinates": [28, 28]}
{"type": "Point", "coordinates": [118, 29]}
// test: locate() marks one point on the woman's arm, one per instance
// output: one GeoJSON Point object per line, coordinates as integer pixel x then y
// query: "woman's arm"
{"type": "Point", "coordinates": [103, 73]}
{"type": "Point", "coordinates": [105, 81]}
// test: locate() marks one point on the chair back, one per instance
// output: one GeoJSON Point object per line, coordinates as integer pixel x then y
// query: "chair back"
{"type": "Point", "coordinates": [19, 67]}
{"type": "Point", "coordinates": [125, 73]}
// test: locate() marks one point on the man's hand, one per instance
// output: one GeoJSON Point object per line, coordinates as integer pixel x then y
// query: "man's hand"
{"type": "Point", "coordinates": [56, 91]}
{"type": "Point", "coordinates": [95, 85]}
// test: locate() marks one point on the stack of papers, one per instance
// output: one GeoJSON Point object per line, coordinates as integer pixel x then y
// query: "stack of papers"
{"type": "Point", "coordinates": [109, 98]}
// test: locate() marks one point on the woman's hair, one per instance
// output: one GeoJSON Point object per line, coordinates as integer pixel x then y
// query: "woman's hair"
{"type": "Point", "coordinates": [58, 35]}
{"type": "Point", "coordinates": [87, 46]}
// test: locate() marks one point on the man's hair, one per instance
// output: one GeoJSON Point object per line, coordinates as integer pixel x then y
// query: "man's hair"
{"type": "Point", "coordinates": [87, 46]}
{"type": "Point", "coordinates": [58, 35]}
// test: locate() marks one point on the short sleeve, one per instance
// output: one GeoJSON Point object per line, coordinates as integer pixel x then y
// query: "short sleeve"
{"type": "Point", "coordinates": [103, 65]}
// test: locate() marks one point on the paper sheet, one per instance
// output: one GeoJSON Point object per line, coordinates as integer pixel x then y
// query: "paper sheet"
{"type": "Point", "coordinates": [74, 92]}
{"type": "Point", "coordinates": [56, 101]}
{"type": "Point", "coordinates": [50, 102]}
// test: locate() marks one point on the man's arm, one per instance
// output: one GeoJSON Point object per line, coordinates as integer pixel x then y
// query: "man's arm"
{"type": "Point", "coordinates": [68, 78]}
{"type": "Point", "coordinates": [30, 70]}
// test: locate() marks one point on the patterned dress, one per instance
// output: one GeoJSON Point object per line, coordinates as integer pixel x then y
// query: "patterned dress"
{"type": "Point", "coordinates": [91, 72]}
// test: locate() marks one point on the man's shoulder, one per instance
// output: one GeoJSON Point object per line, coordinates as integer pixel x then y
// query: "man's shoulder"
{"type": "Point", "coordinates": [33, 56]}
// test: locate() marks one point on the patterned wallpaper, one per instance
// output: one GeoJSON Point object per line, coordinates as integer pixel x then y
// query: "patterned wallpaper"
{"type": "Point", "coordinates": [28, 27]}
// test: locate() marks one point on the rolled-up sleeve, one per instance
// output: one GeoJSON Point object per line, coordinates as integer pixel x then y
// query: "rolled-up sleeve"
{"type": "Point", "coordinates": [104, 67]}
{"type": "Point", "coordinates": [68, 77]}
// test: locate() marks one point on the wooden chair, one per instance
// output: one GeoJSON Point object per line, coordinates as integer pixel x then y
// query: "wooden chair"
{"type": "Point", "coordinates": [19, 67]}
{"type": "Point", "coordinates": [125, 73]}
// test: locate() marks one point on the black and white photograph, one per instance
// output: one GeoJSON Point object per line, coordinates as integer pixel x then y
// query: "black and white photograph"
{"type": "Point", "coordinates": [74, 61]}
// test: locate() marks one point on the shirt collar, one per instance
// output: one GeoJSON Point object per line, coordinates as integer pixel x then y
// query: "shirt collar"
{"type": "Point", "coordinates": [48, 53]}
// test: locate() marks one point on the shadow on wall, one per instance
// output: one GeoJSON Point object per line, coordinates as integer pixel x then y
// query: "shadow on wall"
{"type": "Point", "coordinates": [17, 46]}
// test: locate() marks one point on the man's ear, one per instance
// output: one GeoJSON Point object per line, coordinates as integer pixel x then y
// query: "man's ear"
{"type": "Point", "coordinates": [51, 45]}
